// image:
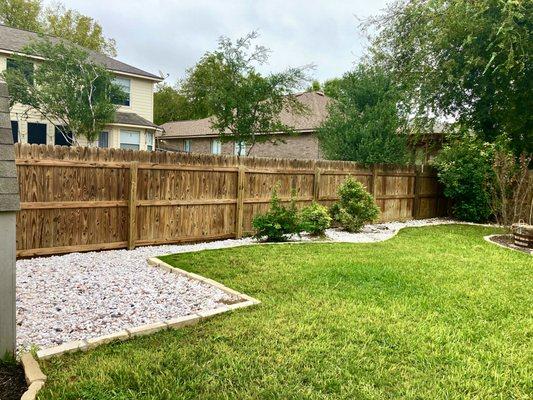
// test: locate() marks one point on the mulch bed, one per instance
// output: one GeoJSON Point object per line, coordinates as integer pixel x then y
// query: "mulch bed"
{"type": "Point", "coordinates": [12, 382]}
{"type": "Point", "coordinates": [507, 240]}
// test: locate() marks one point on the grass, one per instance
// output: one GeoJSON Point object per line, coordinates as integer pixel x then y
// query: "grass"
{"type": "Point", "coordinates": [435, 313]}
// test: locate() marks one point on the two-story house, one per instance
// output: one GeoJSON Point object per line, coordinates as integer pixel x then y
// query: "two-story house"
{"type": "Point", "coordinates": [133, 127]}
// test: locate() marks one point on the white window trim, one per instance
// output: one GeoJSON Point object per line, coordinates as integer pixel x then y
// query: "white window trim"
{"type": "Point", "coordinates": [216, 147]}
{"type": "Point", "coordinates": [120, 78]}
{"type": "Point", "coordinates": [187, 145]}
{"type": "Point", "coordinates": [137, 143]}
{"type": "Point", "coordinates": [241, 148]}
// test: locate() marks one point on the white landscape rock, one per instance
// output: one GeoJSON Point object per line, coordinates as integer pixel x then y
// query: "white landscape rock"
{"type": "Point", "coordinates": [83, 295]}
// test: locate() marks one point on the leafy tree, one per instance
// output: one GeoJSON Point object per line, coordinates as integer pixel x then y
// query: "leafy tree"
{"type": "Point", "coordinates": [22, 14]}
{"type": "Point", "coordinates": [56, 21]}
{"type": "Point", "coordinates": [79, 29]}
{"type": "Point", "coordinates": [465, 59]}
{"type": "Point", "coordinates": [241, 101]}
{"type": "Point", "coordinates": [66, 89]}
{"type": "Point", "coordinates": [314, 87]}
{"type": "Point", "coordinates": [170, 105]}
{"type": "Point", "coordinates": [331, 87]}
{"type": "Point", "coordinates": [364, 123]}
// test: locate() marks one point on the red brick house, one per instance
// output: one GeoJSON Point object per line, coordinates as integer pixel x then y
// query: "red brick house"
{"type": "Point", "coordinates": [196, 136]}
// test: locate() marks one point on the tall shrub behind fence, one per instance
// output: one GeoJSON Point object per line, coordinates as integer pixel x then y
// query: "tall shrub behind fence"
{"type": "Point", "coordinates": [78, 199]}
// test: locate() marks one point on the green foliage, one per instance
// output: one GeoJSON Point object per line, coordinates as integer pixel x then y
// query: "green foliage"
{"type": "Point", "coordinates": [364, 123]}
{"type": "Point", "coordinates": [22, 14]}
{"type": "Point", "coordinates": [331, 87]}
{"type": "Point", "coordinates": [356, 206]}
{"type": "Point", "coordinates": [314, 219]}
{"type": "Point", "coordinates": [56, 21]}
{"type": "Point", "coordinates": [67, 88]}
{"type": "Point", "coordinates": [243, 102]}
{"type": "Point", "coordinates": [278, 223]}
{"type": "Point", "coordinates": [171, 105]}
{"type": "Point", "coordinates": [462, 58]}
{"type": "Point", "coordinates": [77, 28]}
{"type": "Point", "coordinates": [465, 169]}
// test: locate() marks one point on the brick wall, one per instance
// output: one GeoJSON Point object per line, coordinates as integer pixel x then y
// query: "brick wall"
{"type": "Point", "coordinates": [303, 146]}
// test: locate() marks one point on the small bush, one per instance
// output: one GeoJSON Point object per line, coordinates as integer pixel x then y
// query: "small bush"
{"type": "Point", "coordinates": [355, 207]}
{"type": "Point", "coordinates": [277, 223]}
{"type": "Point", "coordinates": [315, 219]}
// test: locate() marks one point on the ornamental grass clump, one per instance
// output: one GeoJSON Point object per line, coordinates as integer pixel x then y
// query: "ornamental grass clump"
{"type": "Point", "coordinates": [355, 208]}
{"type": "Point", "coordinates": [278, 223]}
{"type": "Point", "coordinates": [315, 219]}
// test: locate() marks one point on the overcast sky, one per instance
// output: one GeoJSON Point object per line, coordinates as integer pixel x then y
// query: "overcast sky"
{"type": "Point", "coordinates": [171, 35]}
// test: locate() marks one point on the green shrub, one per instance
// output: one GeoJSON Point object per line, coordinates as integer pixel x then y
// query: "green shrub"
{"type": "Point", "coordinates": [465, 169]}
{"type": "Point", "coordinates": [315, 219]}
{"type": "Point", "coordinates": [355, 207]}
{"type": "Point", "coordinates": [277, 223]}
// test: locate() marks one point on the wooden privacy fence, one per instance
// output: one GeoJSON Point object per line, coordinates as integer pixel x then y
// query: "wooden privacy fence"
{"type": "Point", "coordinates": [79, 199]}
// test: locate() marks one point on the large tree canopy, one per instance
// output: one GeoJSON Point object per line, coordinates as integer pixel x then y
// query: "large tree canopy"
{"type": "Point", "coordinates": [67, 89]}
{"type": "Point", "coordinates": [364, 123]}
{"type": "Point", "coordinates": [56, 21]}
{"type": "Point", "coordinates": [462, 59]}
{"type": "Point", "coordinates": [242, 102]}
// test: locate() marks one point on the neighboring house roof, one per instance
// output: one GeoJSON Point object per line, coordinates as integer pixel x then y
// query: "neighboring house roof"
{"type": "Point", "coordinates": [317, 111]}
{"type": "Point", "coordinates": [13, 40]}
{"type": "Point", "coordinates": [132, 119]}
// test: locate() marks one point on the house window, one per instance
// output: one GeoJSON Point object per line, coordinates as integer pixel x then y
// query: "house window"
{"type": "Point", "coordinates": [240, 148]}
{"type": "Point", "coordinates": [129, 139]}
{"type": "Point", "coordinates": [36, 133]}
{"type": "Point", "coordinates": [216, 146]}
{"type": "Point", "coordinates": [187, 145]}
{"type": "Point", "coordinates": [62, 136]}
{"type": "Point", "coordinates": [15, 130]}
{"type": "Point", "coordinates": [125, 85]}
{"type": "Point", "coordinates": [25, 67]}
{"type": "Point", "coordinates": [103, 139]}
{"type": "Point", "coordinates": [149, 141]}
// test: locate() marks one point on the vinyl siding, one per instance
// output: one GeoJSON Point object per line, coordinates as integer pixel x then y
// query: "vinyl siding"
{"type": "Point", "coordinates": [141, 103]}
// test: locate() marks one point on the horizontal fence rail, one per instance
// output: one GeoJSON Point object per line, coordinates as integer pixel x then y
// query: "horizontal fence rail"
{"type": "Point", "coordinates": [82, 199]}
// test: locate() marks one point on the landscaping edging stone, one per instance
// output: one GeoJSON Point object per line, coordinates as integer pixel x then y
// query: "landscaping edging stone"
{"type": "Point", "coordinates": [524, 250]}
{"type": "Point", "coordinates": [36, 378]}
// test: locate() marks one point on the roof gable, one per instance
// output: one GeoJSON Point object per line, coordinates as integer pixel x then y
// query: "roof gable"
{"type": "Point", "coordinates": [14, 40]}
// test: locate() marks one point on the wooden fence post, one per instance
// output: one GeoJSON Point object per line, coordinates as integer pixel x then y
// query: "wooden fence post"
{"type": "Point", "coordinates": [241, 182]}
{"type": "Point", "coordinates": [416, 199]}
{"type": "Point", "coordinates": [132, 206]}
{"type": "Point", "coordinates": [374, 183]}
{"type": "Point", "coordinates": [316, 185]}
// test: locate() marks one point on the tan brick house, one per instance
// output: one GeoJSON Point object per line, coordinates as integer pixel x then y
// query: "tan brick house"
{"type": "Point", "coordinates": [196, 136]}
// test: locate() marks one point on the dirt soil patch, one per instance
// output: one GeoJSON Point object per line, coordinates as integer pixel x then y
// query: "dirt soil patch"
{"type": "Point", "coordinates": [12, 382]}
{"type": "Point", "coordinates": [507, 240]}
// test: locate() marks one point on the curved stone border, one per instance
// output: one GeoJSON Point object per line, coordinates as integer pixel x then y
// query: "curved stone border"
{"type": "Point", "coordinates": [35, 377]}
{"type": "Point", "coordinates": [489, 237]}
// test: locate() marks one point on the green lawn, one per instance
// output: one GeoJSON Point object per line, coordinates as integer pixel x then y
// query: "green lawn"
{"type": "Point", "coordinates": [435, 313]}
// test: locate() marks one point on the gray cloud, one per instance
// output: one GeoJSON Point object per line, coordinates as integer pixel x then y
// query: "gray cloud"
{"type": "Point", "coordinates": [170, 36]}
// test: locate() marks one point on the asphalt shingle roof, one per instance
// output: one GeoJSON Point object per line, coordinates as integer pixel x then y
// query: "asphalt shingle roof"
{"type": "Point", "coordinates": [14, 40]}
{"type": "Point", "coordinates": [129, 118]}
{"type": "Point", "coordinates": [316, 103]}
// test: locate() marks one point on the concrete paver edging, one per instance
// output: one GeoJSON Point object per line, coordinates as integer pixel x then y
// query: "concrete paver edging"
{"type": "Point", "coordinates": [35, 377]}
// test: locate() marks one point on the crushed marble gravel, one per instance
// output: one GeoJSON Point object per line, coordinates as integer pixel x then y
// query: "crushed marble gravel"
{"type": "Point", "coordinates": [83, 295]}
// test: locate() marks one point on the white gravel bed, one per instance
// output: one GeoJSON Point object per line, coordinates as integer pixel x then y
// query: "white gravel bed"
{"type": "Point", "coordinates": [83, 295]}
